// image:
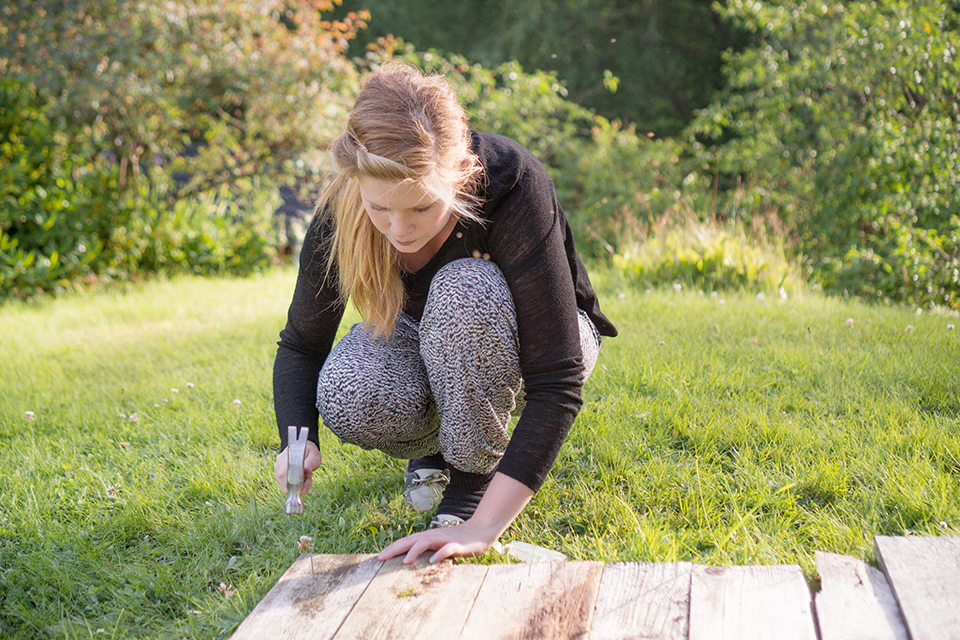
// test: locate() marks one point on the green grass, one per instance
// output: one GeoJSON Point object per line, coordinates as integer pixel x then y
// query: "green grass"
{"type": "Point", "coordinates": [719, 431]}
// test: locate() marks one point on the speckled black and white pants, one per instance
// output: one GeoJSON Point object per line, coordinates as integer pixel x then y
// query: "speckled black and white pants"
{"type": "Point", "coordinates": [448, 383]}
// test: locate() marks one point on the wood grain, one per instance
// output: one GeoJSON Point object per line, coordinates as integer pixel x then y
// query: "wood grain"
{"type": "Point", "coordinates": [643, 601]}
{"type": "Point", "coordinates": [924, 573]}
{"type": "Point", "coordinates": [310, 601]}
{"type": "Point", "coordinates": [751, 602]}
{"type": "Point", "coordinates": [855, 601]}
{"type": "Point", "coordinates": [535, 600]}
{"type": "Point", "coordinates": [415, 601]}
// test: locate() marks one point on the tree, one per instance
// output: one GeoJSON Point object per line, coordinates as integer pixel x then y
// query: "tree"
{"type": "Point", "coordinates": [653, 63]}
{"type": "Point", "coordinates": [139, 107]}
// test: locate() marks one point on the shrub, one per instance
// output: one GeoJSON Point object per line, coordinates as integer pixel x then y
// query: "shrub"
{"type": "Point", "coordinates": [56, 209]}
{"type": "Point", "coordinates": [844, 118]}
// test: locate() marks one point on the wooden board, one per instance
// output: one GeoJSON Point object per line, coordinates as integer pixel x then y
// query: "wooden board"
{"type": "Point", "coordinates": [535, 600]}
{"type": "Point", "coordinates": [643, 600]}
{"type": "Point", "coordinates": [310, 601]}
{"type": "Point", "coordinates": [924, 573]}
{"type": "Point", "coordinates": [419, 600]}
{"type": "Point", "coordinates": [755, 603]}
{"type": "Point", "coordinates": [855, 601]}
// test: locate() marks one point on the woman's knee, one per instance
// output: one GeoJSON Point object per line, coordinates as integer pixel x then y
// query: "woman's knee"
{"type": "Point", "coordinates": [469, 297]}
{"type": "Point", "coordinates": [369, 390]}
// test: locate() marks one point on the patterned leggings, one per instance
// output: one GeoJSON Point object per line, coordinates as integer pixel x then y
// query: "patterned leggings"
{"type": "Point", "coordinates": [447, 384]}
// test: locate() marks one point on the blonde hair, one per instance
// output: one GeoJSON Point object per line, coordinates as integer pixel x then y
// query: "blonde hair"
{"type": "Point", "coordinates": [404, 127]}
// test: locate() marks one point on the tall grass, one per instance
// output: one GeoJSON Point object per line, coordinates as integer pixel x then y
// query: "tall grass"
{"type": "Point", "coordinates": [680, 247]}
{"type": "Point", "coordinates": [725, 428]}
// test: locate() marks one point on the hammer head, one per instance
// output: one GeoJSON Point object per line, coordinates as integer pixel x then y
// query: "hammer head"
{"type": "Point", "coordinates": [296, 452]}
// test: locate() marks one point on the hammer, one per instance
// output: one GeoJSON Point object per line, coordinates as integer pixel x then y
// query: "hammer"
{"type": "Point", "coordinates": [296, 452]}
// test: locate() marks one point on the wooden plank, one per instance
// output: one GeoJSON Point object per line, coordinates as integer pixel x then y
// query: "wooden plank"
{"type": "Point", "coordinates": [310, 601]}
{"type": "Point", "coordinates": [750, 602]}
{"type": "Point", "coordinates": [925, 576]}
{"type": "Point", "coordinates": [535, 600]}
{"type": "Point", "coordinates": [419, 600]}
{"type": "Point", "coordinates": [643, 600]}
{"type": "Point", "coordinates": [855, 601]}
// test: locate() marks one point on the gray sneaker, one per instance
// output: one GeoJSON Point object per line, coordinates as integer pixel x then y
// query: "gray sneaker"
{"type": "Point", "coordinates": [423, 488]}
{"type": "Point", "coordinates": [442, 521]}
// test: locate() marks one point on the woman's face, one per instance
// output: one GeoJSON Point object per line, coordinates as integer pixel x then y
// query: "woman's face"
{"type": "Point", "coordinates": [412, 218]}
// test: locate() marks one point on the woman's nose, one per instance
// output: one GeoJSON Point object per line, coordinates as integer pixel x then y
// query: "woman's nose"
{"type": "Point", "coordinates": [400, 225]}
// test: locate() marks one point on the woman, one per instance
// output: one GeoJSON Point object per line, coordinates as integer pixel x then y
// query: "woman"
{"type": "Point", "coordinates": [452, 246]}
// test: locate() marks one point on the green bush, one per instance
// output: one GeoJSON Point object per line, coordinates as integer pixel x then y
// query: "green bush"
{"type": "Point", "coordinates": [843, 118]}
{"type": "Point", "coordinates": [210, 234]}
{"type": "Point", "coordinates": [55, 206]}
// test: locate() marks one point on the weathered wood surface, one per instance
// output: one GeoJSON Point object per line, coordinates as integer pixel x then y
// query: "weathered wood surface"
{"type": "Point", "coordinates": [345, 597]}
{"type": "Point", "coordinates": [750, 602]}
{"type": "Point", "coordinates": [312, 599]}
{"type": "Point", "coordinates": [925, 576]}
{"type": "Point", "coordinates": [643, 600]}
{"type": "Point", "coordinates": [415, 601]}
{"type": "Point", "coordinates": [535, 600]}
{"type": "Point", "coordinates": [855, 601]}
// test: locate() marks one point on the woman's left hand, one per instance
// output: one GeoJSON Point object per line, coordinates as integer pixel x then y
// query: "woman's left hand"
{"type": "Point", "coordinates": [466, 539]}
{"type": "Point", "coordinates": [501, 504]}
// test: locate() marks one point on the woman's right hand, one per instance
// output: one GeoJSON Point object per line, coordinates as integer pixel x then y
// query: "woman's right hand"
{"type": "Point", "coordinates": [311, 462]}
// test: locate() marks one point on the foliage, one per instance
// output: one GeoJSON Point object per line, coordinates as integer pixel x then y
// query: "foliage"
{"type": "Point", "coordinates": [227, 231]}
{"type": "Point", "coordinates": [621, 181]}
{"type": "Point", "coordinates": [139, 106]}
{"type": "Point", "coordinates": [651, 63]}
{"type": "Point", "coordinates": [51, 230]}
{"type": "Point", "coordinates": [220, 90]}
{"type": "Point", "coordinates": [846, 121]}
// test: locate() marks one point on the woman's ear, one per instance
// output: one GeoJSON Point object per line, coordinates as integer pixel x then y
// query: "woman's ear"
{"type": "Point", "coordinates": [466, 172]}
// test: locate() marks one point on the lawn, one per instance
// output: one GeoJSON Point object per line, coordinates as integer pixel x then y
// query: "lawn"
{"type": "Point", "coordinates": [136, 489]}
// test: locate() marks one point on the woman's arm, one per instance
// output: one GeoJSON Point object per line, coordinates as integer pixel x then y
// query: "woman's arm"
{"type": "Point", "coordinates": [501, 504]}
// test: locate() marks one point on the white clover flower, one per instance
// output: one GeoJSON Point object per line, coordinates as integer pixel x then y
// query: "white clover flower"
{"type": "Point", "coordinates": [225, 590]}
{"type": "Point", "coordinates": [29, 415]}
{"type": "Point", "coordinates": [782, 293]}
{"type": "Point", "coordinates": [134, 417]}
{"type": "Point", "coordinates": [950, 327]}
{"type": "Point", "coordinates": [236, 402]}
{"type": "Point", "coordinates": [112, 491]}
{"type": "Point", "coordinates": [305, 543]}
{"type": "Point", "coordinates": [849, 322]}
{"type": "Point", "coordinates": [189, 385]}
{"type": "Point", "coordinates": [174, 390]}
{"type": "Point", "coordinates": [909, 328]}
{"type": "Point", "coordinates": [760, 296]}
{"type": "Point", "coordinates": [677, 287]}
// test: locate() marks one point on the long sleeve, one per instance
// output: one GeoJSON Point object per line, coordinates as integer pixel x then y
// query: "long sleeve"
{"type": "Point", "coordinates": [312, 320]}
